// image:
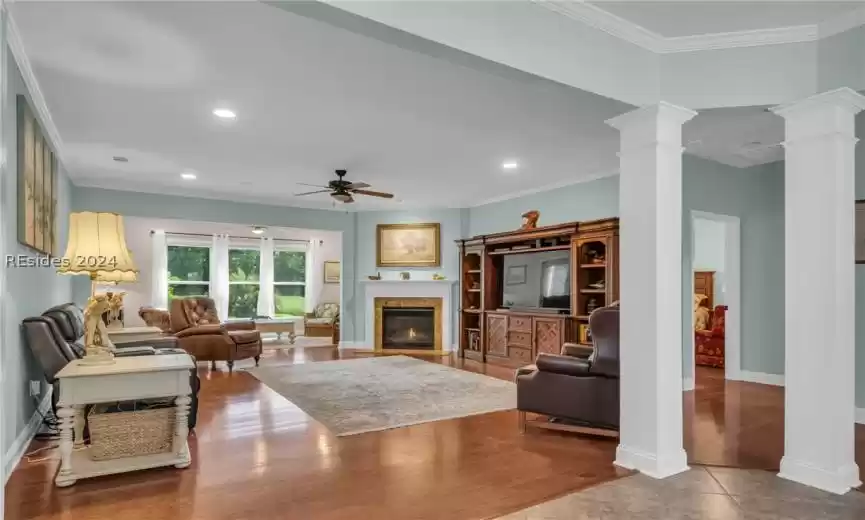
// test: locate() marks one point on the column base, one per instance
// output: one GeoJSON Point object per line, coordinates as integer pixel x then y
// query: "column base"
{"type": "Point", "coordinates": [651, 464]}
{"type": "Point", "coordinates": [839, 481]}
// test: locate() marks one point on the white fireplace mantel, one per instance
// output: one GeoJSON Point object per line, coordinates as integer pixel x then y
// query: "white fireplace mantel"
{"type": "Point", "coordinates": [409, 289]}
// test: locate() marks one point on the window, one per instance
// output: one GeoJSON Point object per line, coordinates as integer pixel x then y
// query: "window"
{"type": "Point", "coordinates": [243, 276]}
{"type": "Point", "coordinates": [188, 271]}
{"type": "Point", "coordinates": [289, 282]}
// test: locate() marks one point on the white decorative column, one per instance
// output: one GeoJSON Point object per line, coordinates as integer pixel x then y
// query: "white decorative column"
{"type": "Point", "coordinates": [819, 286]}
{"type": "Point", "coordinates": [650, 266]}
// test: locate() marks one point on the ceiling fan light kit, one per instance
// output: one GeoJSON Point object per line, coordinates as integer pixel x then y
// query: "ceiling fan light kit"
{"type": "Point", "coordinates": [343, 191]}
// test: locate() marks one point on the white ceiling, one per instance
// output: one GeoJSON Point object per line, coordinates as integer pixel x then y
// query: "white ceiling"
{"type": "Point", "coordinates": [675, 19]}
{"type": "Point", "coordinates": [140, 80]}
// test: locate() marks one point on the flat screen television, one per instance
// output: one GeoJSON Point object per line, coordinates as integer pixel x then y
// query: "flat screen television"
{"type": "Point", "coordinates": [537, 280]}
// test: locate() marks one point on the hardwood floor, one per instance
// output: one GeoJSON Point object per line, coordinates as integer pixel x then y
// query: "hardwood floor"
{"type": "Point", "coordinates": [258, 456]}
{"type": "Point", "coordinates": [740, 425]}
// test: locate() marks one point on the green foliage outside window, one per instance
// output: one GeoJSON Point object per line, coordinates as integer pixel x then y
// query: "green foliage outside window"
{"type": "Point", "coordinates": [289, 266]}
{"type": "Point", "coordinates": [243, 266]}
{"type": "Point", "coordinates": [188, 264]}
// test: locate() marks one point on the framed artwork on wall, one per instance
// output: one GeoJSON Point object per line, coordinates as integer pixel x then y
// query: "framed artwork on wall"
{"type": "Point", "coordinates": [860, 232]}
{"type": "Point", "coordinates": [408, 245]}
{"type": "Point", "coordinates": [331, 272]}
{"type": "Point", "coordinates": [37, 183]}
{"type": "Point", "coordinates": [516, 275]}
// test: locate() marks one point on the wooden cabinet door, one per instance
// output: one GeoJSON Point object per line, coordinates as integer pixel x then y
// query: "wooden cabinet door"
{"type": "Point", "coordinates": [497, 335]}
{"type": "Point", "coordinates": [548, 335]}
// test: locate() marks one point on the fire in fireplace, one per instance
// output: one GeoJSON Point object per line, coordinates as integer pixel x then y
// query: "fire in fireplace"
{"type": "Point", "coordinates": [408, 328]}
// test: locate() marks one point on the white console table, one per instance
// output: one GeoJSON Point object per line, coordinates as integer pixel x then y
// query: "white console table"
{"type": "Point", "coordinates": [129, 378]}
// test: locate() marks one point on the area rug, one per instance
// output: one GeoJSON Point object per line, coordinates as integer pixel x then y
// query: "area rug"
{"type": "Point", "coordinates": [379, 393]}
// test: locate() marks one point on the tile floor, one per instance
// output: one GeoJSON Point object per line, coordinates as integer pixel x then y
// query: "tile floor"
{"type": "Point", "coordinates": [705, 493]}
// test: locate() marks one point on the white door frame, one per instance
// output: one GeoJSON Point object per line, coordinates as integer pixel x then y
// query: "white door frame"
{"type": "Point", "coordinates": [732, 294]}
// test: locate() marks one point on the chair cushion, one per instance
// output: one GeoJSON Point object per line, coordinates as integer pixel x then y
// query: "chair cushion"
{"type": "Point", "coordinates": [326, 310]}
{"type": "Point", "coordinates": [244, 336]}
{"type": "Point", "coordinates": [319, 321]}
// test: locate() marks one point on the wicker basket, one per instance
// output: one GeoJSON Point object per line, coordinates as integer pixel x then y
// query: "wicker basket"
{"type": "Point", "coordinates": [117, 434]}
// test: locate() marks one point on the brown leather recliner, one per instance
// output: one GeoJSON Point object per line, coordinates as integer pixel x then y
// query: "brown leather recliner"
{"type": "Point", "coordinates": [200, 332]}
{"type": "Point", "coordinates": [575, 389]}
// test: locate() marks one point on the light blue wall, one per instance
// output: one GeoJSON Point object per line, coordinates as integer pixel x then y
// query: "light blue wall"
{"type": "Point", "coordinates": [584, 201]}
{"type": "Point", "coordinates": [710, 240]}
{"type": "Point", "coordinates": [28, 291]}
{"type": "Point", "coordinates": [756, 196]}
{"type": "Point", "coordinates": [452, 222]}
{"type": "Point", "coordinates": [188, 208]}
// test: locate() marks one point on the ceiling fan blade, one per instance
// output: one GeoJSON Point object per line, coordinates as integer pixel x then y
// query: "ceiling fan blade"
{"type": "Point", "coordinates": [357, 186]}
{"type": "Point", "coordinates": [374, 193]}
{"type": "Point", "coordinates": [311, 193]}
{"type": "Point", "coordinates": [313, 185]}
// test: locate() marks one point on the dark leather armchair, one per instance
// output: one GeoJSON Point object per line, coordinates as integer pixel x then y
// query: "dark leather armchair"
{"type": "Point", "coordinates": [57, 338]}
{"type": "Point", "coordinates": [200, 332]}
{"type": "Point", "coordinates": [575, 389]}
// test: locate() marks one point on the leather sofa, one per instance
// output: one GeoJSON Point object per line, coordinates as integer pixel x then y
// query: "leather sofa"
{"type": "Point", "coordinates": [200, 332]}
{"type": "Point", "coordinates": [581, 386]}
{"type": "Point", "coordinates": [57, 338]}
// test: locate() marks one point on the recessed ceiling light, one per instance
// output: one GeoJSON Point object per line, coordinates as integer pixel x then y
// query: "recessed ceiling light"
{"type": "Point", "coordinates": [188, 176]}
{"type": "Point", "coordinates": [258, 230]}
{"type": "Point", "coordinates": [224, 113]}
{"type": "Point", "coordinates": [510, 165]}
{"type": "Point", "coordinates": [119, 158]}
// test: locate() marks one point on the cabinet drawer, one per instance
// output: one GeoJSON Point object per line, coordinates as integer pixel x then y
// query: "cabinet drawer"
{"type": "Point", "coordinates": [523, 323]}
{"type": "Point", "coordinates": [523, 355]}
{"type": "Point", "coordinates": [520, 339]}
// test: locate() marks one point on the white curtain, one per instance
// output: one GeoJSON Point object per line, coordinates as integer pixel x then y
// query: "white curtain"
{"type": "Point", "coordinates": [265, 288]}
{"type": "Point", "coordinates": [159, 272]}
{"type": "Point", "coordinates": [219, 274]}
{"type": "Point", "coordinates": [314, 276]}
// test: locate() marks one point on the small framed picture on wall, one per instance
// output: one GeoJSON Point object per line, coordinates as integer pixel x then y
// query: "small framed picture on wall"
{"type": "Point", "coordinates": [331, 272]}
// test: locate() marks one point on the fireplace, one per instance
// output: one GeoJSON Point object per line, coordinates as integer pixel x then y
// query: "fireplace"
{"type": "Point", "coordinates": [408, 324]}
{"type": "Point", "coordinates": [408, 328]}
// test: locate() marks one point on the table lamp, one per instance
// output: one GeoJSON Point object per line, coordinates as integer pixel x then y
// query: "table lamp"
{"type": "Point", "coordinates": [97, 248]}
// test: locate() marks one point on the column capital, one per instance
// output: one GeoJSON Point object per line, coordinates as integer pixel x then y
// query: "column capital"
{"type": "Point", "coordinates": [844, 97]}
{"type": "Point", "coordinates": [662, 110]}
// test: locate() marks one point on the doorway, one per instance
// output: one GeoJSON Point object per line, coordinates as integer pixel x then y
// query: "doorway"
{"type": "Point", "coordinates": [715, 287]}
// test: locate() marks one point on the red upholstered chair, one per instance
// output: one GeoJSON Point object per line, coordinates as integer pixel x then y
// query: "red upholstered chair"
{"type": "Point", "coordinates": [709, 348]}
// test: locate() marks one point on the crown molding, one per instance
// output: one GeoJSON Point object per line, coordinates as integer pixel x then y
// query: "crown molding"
{"type": "Point", "coordinates": [619, 27]}
{"type": "Point", "coordinates": [607, 22]}
{"type": "Point", "coordinates": [16, 46]}
{"type": "Point", "coordinates": [732, 40]}
{"type": "Point", "coordinates": [546, 187]}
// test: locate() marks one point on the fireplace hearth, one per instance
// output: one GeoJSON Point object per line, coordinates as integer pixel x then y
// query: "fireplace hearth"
{"type": "Point", "coordinates": [408, 328]}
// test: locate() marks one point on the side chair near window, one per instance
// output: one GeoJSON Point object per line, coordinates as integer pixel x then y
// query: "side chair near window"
{"type": "Point", "coordinates": [578, 390]}
{"type": "Point", "coordinates": [200, 332]}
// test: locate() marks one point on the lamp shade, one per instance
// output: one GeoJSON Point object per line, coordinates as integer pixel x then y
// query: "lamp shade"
{"type": "Point", "coordinates": [97, 247]}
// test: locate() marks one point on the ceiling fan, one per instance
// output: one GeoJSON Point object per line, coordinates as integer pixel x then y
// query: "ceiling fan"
{"type": "Point", "coordinates": [343, 190]}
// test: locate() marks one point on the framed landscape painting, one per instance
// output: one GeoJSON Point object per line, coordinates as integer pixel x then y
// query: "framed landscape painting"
{"type": "Point", "coordinates": [37, 183]}
{"type": "Point", "coordinates": [408, 245]}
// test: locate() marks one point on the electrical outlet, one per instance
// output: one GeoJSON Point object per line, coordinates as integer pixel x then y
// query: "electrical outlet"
{"type": "Point", "coordinates": [35, 387]}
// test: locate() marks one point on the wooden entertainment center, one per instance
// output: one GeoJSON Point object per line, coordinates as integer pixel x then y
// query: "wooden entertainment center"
{"type": "Point", "coordinates": [514, 336]}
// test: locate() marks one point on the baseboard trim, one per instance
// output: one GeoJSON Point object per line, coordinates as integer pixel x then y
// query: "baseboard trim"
{"type": "Point", "coordinates": [16, 451]}
{"type": "Point", "coordinates": [649, 463]}
{"type": "Point", "coordinates": [688, 384]}
{"type": "Point", "coordinates": [838, 482]}
{"type": "Point", "coordinates": [760, 377]}
{"type": "Point", "coordinates": [860, 415]}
